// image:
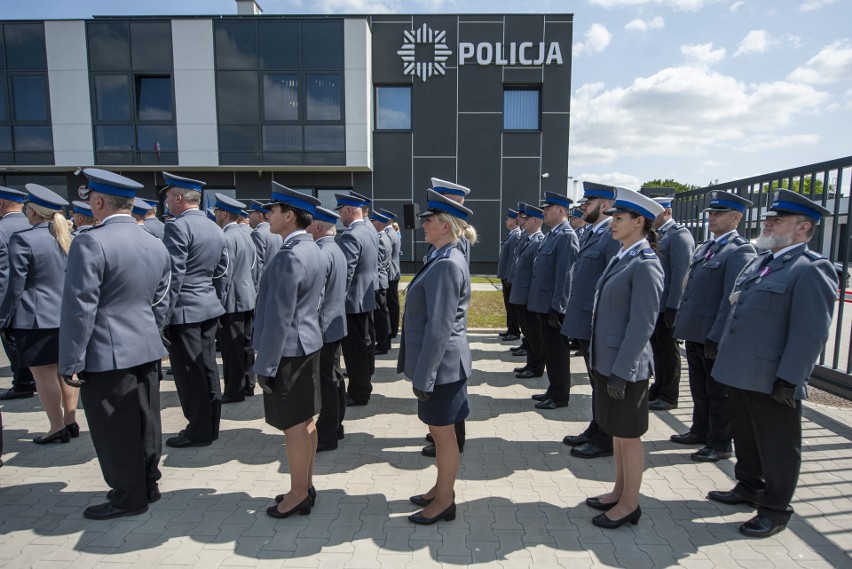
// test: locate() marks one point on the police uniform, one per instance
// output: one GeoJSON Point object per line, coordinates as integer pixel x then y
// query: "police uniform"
{"type": "Point", "coordinates": [381, 317]}
{"type": "Point", "coordinates": [198, 257]}
{"type": "Point", "coordinates": [360, 246]}
{"type": "Point", "coordinates": [781, 312]}
{"type": "Point", "coordinates": [114, 304]}
{"type": "Point", "coordinates": [139, 210]}
{"type": "Point", "coordinates": [394, 273]}
{"type": "Point", "coordinates": [82, 208]}
{"type": "Point", "coordinates": [266, 242]}
{"type": "Point", "coordinates": [522, 275]}
{"type": "Point", "coordinates": [237, 291]}
{"type": "Point", "coordinates": [700, 319]}
{"type": "Point", "coordinates": [152, 224]}
{"type": "Point", "coordinates": [504, 262]}
{"type": "Point", "coordinates": [674, 249]}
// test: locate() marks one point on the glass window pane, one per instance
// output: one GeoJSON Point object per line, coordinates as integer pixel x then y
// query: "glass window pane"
{"type": "Point", "coordinates": [324, 139]}
{"type": "Point", "coordinates": [520, 109]}
{"type": "Point", "coordinates": [322, 45]}
{"type": "Point", "coordinates": [33, 139]}
{"type": "Point", "coordinates": [282, 138]}
{"type": "Point", "coordinates": [29, 93]}
{"type": "Point", "coordinates": [151, 45]}
{"type": "Point", "coordinates": [236, 45]}
{"type": "Point", "coordinates": [2, 50]}
{"type": "Point", "coordinates": [114, 138]}
{"type": "Point", "coordinates": [112, 98]}
{"type": "Point", "coordinates": [233, 138]}
{"type": "Point", "coordinates": [154, 98]}
{"type": "Point", "coordinates": [278, 45]}
{"type": "Point", "coordinates": [160, 138]}
{"type": "Point", "coordinates": [109, 46]}
{"type": "Point", "coordinates": [4, 114]}
{"type": "Point", "coordinates": [5, 138]}
{"type": "Point", "coordinates": [323, 97]}
{"type": "Point", "coordinates": [281, 97]}
{"type": "Point", "coordinates": [237, 96]}
{"type": "Point", "coordinates": [25, 47]}
{"type": "Point", "coordinates": [393, 108]}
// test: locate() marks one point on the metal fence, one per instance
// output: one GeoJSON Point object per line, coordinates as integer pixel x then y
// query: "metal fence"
{"type": "Point", "coordinates": [828, 183]}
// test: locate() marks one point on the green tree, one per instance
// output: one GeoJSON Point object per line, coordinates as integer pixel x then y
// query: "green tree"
{"type": "Point", "coordinates": [818, 187]}
{"type": "Point", "coordinates": [669, 183]}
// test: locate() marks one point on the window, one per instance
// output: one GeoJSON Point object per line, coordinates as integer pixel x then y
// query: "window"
{"type": "Point", "coordinates": [393, 108]}
{"type": "Point", "coordinates": [153, 98]}
{"type": "Point", "coordinates": [520, 108]}
{"type": "Point", "coordinates": [109, 46]}
{"type": "Point", "coordinates": [281, 97]}
{"type": "Point", "coordinates": [237, 94]}
{"type": "Point", "coordinates": [25, 50]}
{"type": "Point", "coordinates": [112, 98]}
{"type": "Point", "coordinates": [323, 98]}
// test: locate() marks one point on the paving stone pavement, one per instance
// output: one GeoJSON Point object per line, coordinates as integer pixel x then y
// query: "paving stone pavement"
{"type": "Point", "coordinates": [520, 493]}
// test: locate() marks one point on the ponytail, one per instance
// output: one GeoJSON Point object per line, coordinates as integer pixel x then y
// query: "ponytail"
{"type": "Point", "coordinates": [469, 233]}
{"type": "Point", "coordinates": [652, 239]}
{"type": "Point", "coordinates": [59, 230]}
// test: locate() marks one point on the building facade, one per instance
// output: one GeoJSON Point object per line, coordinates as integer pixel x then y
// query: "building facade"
{"type": "Point", "coordinates": [323, 104]}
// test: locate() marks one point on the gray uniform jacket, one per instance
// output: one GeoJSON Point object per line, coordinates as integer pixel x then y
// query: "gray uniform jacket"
{"type": "Point", "coordinates": [197, 249]}
{"type": "Point", "coordinates": [507, 248]}
{"type": "Point", "coordinates": [286, 322]}
{"type": "Point", "coordinates": [396, 243]}
{"type": "Point", "coordinates": [155, 226]}
{"type": "Point", "coordinates": [36, 274]}
{"type": "Point", "coordinates": [705, 304]}
{"type": "Point", "coordinates": [596, 250]}
{"type": "Point", "coordinates": [9, 224]}
{"type": "Point", "coordinates": [627, 302]}
{"type": "Point", "coordinates": [115, 298]}
{"type": "Point", "coordinates": [434, 349]}
{"type": "Point", "coordinates": [551, 285]}
{"type": "Point", "coordinates": [333, 312]}
{"type": "Point", "coordinates": [237, 287]}
{"type": "Point", "coordinates": [778, 323]}
{"type": "Point", "coordinates": [384, 260]}
{"type": "Point", "coordinates": [674, 248]}
{"type": "Point", "coordinates": [360, 245]}
{"type": "Point", "coordinates": [522, 274]}
{"type": "Point", "coordinates": [267, 244]}
{"type": "Point", "coordinates": [463, 245]}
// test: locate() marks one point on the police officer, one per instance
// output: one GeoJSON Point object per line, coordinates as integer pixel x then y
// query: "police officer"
{"type": "Point", "coordinates": [381, 317]}
{"type": "Point", "coordinates": [525, 256]}
{"type": "Point", "coordinates": [596, 250]}
{"type": "Point", "coordinates": [360, 245]}
{"type": "Point", "coordinates": [578, 223]}
{"type": "Point", "coordinates": [237, 291]}
{"type": "Point", "coordinates": [140, 210]}
{"type": "Point", "coordinates": [266, 242]}
{"type": "Point", "coordinates": [114, 305]}
{"type": "Point", "coordinates": [504, 262]}
{"type": "Point", "coordinates": [517, 315]}
{"type": "Point", "coordinates": [548, 298]}
{"type": "Point", "coordinates": [701, 319]}
{"type": "Point", "coordinates": [152, 224]}
{"type": "Point", "coordinates": [198, 257]}
{"type": "Point", "coordinates": [781, 312]}
{"type": "Point", "coordinates": [81, 216]}
{"type": "Point", "coordinates": [243, 222]}
{"type": "Point", "coordinates": [394, 272]}
{"type": "Point", "coordinates": [674, 250]}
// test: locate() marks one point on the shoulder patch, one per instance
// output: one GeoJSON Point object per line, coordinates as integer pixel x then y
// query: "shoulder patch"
{"type": "Point", "coordinates": [678, 226]}
{"type": "Point", "coordinates": [444, 253]}
{"type": "Point", "coordinates": [740, 240]}
{"type": "Point", "coordinates": [648, 253]}
{"type": "Point", "coordinates": [813, 255]}
{"type": "Point", "coordinates": [289, 244]}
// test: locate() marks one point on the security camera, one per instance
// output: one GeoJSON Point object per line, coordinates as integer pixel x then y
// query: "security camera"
{"type": "Point", "coordinates": [545, 175]}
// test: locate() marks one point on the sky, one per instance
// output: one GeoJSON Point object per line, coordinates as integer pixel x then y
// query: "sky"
{"type": "Point", "coordinates": [693, 90]}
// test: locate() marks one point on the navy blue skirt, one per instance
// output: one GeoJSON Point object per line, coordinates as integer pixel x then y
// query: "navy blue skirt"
{"type": "Point", "coordinates": [36, 346]}
{"type": "Point", "coordinates": [446, 406]}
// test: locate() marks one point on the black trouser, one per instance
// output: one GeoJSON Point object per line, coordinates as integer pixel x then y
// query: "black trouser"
{"type": "Point", "coordinates": [532, 333]}
{"type": "Point", "coordinates": [358, 355]}
{"type": "Point", "coordinates": [193, 356]}
{"type": "Point", "coordinates": [666, 364]}
{"type": "Point", "coordinates": [393, 307]}
{"type": "Point", "coordinates": [768, 441]}
{"type": "Point", "coordinates": [251, 378]}
{"type": "Point", "coordinates": [333, 395]}
{"type": "Point", "coordinates": [123, 410]}
{"type": "Point", "coordinates": [711, 411]}
{"type": "Point", "coordinates": [381, 320]}
{"type": "Point", "coordinates": [557, 358]}
{"type": "Point", "coordinates": [232, 344]}
{"type": "Point", "coordinates": [513, 325]}
{"type": "Point", "coordinates": [22, 377]}
{"type": "Point", "coordinates": [595, 434]}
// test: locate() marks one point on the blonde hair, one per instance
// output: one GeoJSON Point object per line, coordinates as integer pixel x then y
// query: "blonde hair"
{"type": "Point", "coordinates": [458, 227]}
{"type": "Point", "coordinates": [58, 226]}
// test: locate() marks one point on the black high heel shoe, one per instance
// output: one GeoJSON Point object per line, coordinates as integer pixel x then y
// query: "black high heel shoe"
{"type": "Point", "coordinates": [419, 500]}
{"type": "Point", "coordinates": [449, 515]}
{"type": "Point", "coordinates": [312, 492]}
{"type": "Point", "coordinates": [596, 504]}
{"type": "Point", "coordinates": [303, 507]}
{"type": "Point", "coordinates": [604, 522]}
{"type": "Point", "coordinates": [73, 430]}
{"type": "Point", "coordinates": [61, 436]}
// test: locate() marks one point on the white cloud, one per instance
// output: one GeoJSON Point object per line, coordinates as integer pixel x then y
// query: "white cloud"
{"type": "Point", "coordinates": [613, 179]}
{"type": "Point", "coordinates": [703, 54]}
{"type": "Point", "coordinates": [585, 154]}
{"type": "Point", "coordinates": [762, 142]}
{"type": "Point", "coordinates": [595, 40]}
{"type": "Point", "coordinates": [756, 41]}
{"type": "Point", "coordinates": [640, 25]}
{"type": "Point", "coordinates": [833, 63]}
{"type": "Point", "coordinates": [682, 5]}
{"type": "Point", "coordinates": [736, 7]}
{"type": "Point", "coordinates": [811, 5]}
{"type": "Point", "coordinates": [356, 6]}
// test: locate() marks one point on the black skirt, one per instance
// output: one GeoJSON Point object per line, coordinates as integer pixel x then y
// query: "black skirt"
{"type": "Point", "coordinates": [446, 406]}
{"type": "Point", "coordinates": [295, 396]}
{"type": "Point", "coordinates": [624, 418]}
{"type": "Point", "coordinates": [37, 347]}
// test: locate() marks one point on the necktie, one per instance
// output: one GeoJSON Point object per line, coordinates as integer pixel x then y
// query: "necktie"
{"type": "Point", "coordinates": [709, 252]}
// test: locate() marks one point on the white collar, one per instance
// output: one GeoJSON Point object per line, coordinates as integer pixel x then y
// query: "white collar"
{"type": "Point", "coordinates": [600, 224]}
{"type": "Point", "coordinates": [785, 250]}
{"type": "Point", "coordinates": [116, 215]}
{"type": "Point", "coordinates": [624, 251]}
{"type": "Point", "coordinates": [297, 232]}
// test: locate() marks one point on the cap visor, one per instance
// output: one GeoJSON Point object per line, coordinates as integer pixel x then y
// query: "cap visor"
{"type": "Point", "coordinates": [717, 208]}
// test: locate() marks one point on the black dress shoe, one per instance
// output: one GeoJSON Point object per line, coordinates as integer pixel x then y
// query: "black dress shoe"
{"type": "Point", "coordinates": [229, 399]}
{"type": "Point", "coordinates": [521, 369]}
{"type": "Point", "coordinates": [761, 526]}
{"type": "Point", "coordinates": [540, 397]}
{"type": "Point", "coordinates": [428, 450]}
{"type": "Point", "coordinates": [430, 438]}
{"type": "Point", "coordinates": [107, 511]}
{"type": "Point", "coordinates": [340, 433]}
{"type": "Point", "coordinates": [153, 495]}
{"type": "Point", "coordinates": [708, 454]}
{"type": "Point", "coordinates": [520, 353]}
{"type": "Point", "coordinates": [602, 521]}
{"type": "Point", "coordinates": [312, 493]}
{"type": "Point", "coordinates": [325, 448]}
{"type": "Point", "coordinates": [528, 374]}
{"type": "Point", "coordinates": [511, 338]}
{"type": "Point", "coordinates": [60, 436]}
{"type": "Point", "coordinates": [15, 394]}
{"type": "Point", "coordinates": [595, 503]}
{"type": "Point", "coordinates": [589, 450]}
{"type": "Point", "coordinates": [354, 403]}
{"type": "Point", "coordinates": [514, 349]}
{"type": "Point", "coordinates": [574, 440]}
{"type": "Point", "coordinates": [381, 352]}
{"type": "Point", "coordinates": [733, 498]}
{"type": "Point", "coordinates": [503, 334]}
{"type": "Point", "coordinates": [688, 438]}
{"type": "Point", "coordinates": [551, 404]}
{"type": "Point", "coordinates": [303, 508]}
{"type": "Point", "coordinates": [660, 405]}
{"type": "Point", "coordinates": [181, 441]}
{"type": "Point", "coordinates": [73, 430]}
{"type": "Point", "coordinates": [449, 515]}
{"type": "Point", "coordinates": [419, 500]}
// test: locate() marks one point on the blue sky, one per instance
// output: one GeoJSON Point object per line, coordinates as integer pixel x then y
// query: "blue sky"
{"type": "Point", "coordinates": [695, 90]}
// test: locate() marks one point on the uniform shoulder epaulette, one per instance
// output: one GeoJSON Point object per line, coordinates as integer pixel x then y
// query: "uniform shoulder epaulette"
{"type": "Point", "coordinates": [678, 226]}
{"type": "Point", "coordinates": [813, 255]}
{"type": "Point", "coordinates": [740, 240]}
{"type": "Point", "coordinates": [445, 253]}
{"type": "Point", "coordinates": [648, 253]}
{"type": "Point", "coordinates": [289, 244]}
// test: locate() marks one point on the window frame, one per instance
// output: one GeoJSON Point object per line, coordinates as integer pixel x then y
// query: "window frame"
{"type": "Point", "coordinates": [526, 88]}
{"type": "Point", "coordinates": [376, 126]}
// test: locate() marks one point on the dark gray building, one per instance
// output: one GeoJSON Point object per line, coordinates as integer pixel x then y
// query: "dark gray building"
{"type": "Point", "coordinates": [377, 104]}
